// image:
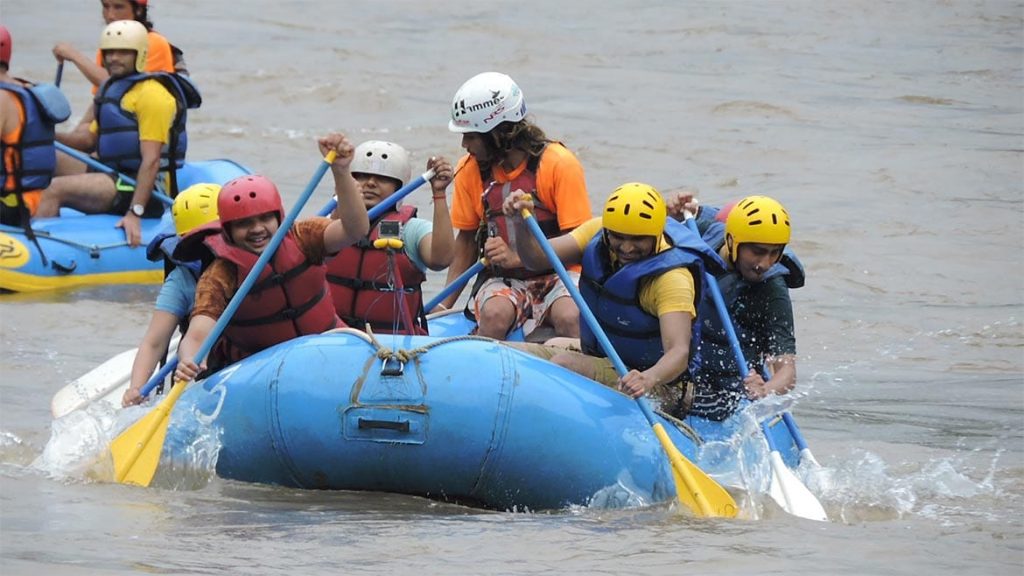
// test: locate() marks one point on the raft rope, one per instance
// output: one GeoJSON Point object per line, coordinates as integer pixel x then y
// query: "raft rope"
{"type": "Point", "coordinates": [92, 249]}
{"type": "Point", "coordinates": [407, 355]}
{"type": "Point", "coordinates": [404, 356]}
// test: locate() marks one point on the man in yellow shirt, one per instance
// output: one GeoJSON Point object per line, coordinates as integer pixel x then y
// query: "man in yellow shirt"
{"type": "Point", "coordinates": [139, 130]}
{"type": "Point", "coordinates": [642, 277]}
{"type": "Point", "coordinates": [506, 152]}
{"type": "Point", "coordinates": [161, 56]}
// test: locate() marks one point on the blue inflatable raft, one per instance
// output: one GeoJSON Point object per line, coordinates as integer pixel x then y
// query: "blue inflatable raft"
{"type": "Point", "coordinates": [84, 250]}
{"type": "Point", "coordinates": [460, 419]}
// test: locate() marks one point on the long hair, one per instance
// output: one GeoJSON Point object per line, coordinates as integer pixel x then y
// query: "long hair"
{"type": "Point", "coordinates": [142, 14]}
{"type": "Point", "coordinates": [523, 135]}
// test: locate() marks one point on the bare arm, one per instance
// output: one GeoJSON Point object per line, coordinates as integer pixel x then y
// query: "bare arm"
{"type": "Point", "coordinates": [92, 72]}
{"type": "Point", "coordinates": [199, 329]}
{"type": "Point", "coordinates": [349, 221]}
{"type": "Point", "coordinates": [154, 343]}
{"type": "Point", "coordinates": [465, 255]}
{"type": "Point", "coordinates": [145, 180]}
{"type": "Point", "coordinates": [80, 137]}
{"type": "Point", "coordinates": [526, 246]}
{"type": "Point", "coordinates": [782, 381]}
{"type": "Point", "coordinates": [675, 339]}
{"type": "Point", "coordinates": [437, 248]}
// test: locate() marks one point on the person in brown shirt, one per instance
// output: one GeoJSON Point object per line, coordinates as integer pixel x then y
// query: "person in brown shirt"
{"type": "Point", "coordinates": [291, 297]}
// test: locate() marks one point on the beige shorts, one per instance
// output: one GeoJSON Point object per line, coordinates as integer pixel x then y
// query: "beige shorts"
{"type": "Point", "coordinates": [674, 398]}
{"type": "Point", "coordinates": [531, 298]}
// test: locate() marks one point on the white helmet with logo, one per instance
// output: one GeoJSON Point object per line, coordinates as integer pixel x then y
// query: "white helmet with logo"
{"type": "Point", "coordinates": [383, 159]}
{"type": "Point", "coordinates": [484, 101]}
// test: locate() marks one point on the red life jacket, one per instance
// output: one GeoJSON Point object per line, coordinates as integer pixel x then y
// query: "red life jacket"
{"type": "Point", "coordinates": [287, 301]}
{"type": "Point", "coordinates": [498, 224]}
{"type": "Point", "coordinates": [360, 286]}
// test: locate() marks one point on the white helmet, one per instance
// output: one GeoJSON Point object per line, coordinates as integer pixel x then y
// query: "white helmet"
{"type": "Point", "coordinates": [127, 35]}
{"type": "Point", "coordinates": [484, 101]}
{"type": "Point", "coordinates": [383, 159]}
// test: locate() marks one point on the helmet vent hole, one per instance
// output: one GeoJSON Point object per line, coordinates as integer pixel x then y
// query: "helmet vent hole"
{"type": "Point", "coordinates": [626, 210]}
{"type": "Point", "coordinates": [252, 194]}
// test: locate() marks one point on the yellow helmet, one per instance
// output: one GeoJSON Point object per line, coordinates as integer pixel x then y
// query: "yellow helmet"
{"type": "Point", "coordinates": [757, 220]}
{"type": "Point", "coordinates": [127, 35]}
{"type": "Point", "coordinates": [195, 206]}
{"type": "Point", "coordinates": [635, 209]}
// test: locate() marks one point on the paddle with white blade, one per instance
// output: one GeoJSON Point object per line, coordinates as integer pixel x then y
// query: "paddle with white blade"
{"type": "Point", "coordinates": [798, 437]}
{"type": "Point", "coordinates": [105, 383]}
{"type": "Point", "coordinates": [786, 489]}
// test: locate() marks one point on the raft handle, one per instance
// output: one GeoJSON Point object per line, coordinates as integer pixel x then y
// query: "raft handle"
{"type": "Point", "coordinates": [402, 426]}
{"type": "Point", "coordinates": [64, 268]}
{"type": "Point", "coordinates": [388, 368]}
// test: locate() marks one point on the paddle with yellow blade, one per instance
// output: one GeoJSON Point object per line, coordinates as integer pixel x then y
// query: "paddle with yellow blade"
{"type": "Point", "coordinates": [137, 450]}
{"type": "Point", "coordinates": [695, 489]}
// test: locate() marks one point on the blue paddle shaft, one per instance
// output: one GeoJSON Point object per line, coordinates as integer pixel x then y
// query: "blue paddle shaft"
{"type": "Point", "coordinates": [159, 377]}
{"type": "Point", "coordinates": [261, 262]}
{"type": "Point", "coordinates": [768, 437]}
{"type": "Point", "coordinates": [374, 212]}
{"type": "Point", "coordinates": [723, 312]}
{"type": "Point", "coordinates": [388, 202]}
{"type": "Point", "coordinates": [455, 285]}
{"type": "Point", "coordinates": [585, 312]}
{"type": "Point", "coordinates": [94, 163]}
{"type": "Point", "coordinates": [794, 431]}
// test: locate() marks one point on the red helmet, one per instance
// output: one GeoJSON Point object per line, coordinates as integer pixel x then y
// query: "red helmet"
{"type": "Point", "coordinates": [5, 46]}
{"type": "Point", "coordinates": [723, 213]}
{"type": "Point", "coordinates": [248, 196]}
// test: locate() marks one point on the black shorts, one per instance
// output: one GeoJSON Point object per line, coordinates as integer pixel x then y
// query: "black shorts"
{"type": "Point", "coordinates": [123, 200]}
{"type": "Point", "coordinates": [10, 216]}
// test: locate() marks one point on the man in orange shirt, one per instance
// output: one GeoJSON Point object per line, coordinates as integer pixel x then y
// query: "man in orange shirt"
{"type": "Point", "coordinates": [507, 152]}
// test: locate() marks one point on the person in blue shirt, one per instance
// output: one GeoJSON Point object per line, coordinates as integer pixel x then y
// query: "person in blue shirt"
{"type": "Point", "coordinates": [194, 207]}
{"type": "Point", "coordinates": [378, 280]}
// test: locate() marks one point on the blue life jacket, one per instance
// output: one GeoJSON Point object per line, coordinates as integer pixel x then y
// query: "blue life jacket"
{"type": "Point", "coordinates": [118, 130]}
{"type": "Point", "coordinates": [162, 248]}
{"type": "Point", "coordinates": [36, 150]}
{"type": "Point", "coordinates": [613, 296]}
{"type": "Point", "coordinates": [717, 351]}
{"type": "Point", "coordinates": [789, 266]}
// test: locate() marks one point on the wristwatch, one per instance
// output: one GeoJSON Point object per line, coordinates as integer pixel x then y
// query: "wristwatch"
{"type": "Point", "coordinates": [138, 210]}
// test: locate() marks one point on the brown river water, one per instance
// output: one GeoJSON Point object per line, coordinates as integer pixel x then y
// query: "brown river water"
{"type": "Point", "coordinates": [892, 131]}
